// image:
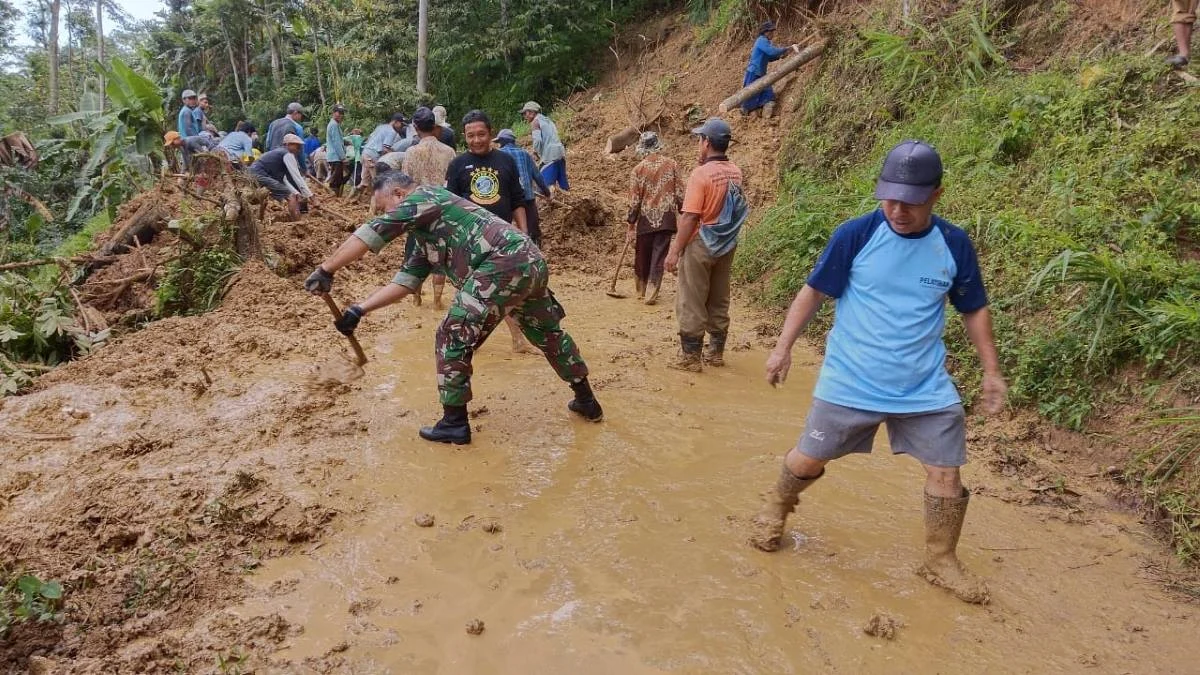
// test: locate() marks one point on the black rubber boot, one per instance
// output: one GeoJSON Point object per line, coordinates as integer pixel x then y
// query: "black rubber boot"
{"type": "Point", "coordinates": [585, 402]}
{"type": "Point", "coordinates": [452, 428]}
{"type": "Point", "coordinates": [714, 351]}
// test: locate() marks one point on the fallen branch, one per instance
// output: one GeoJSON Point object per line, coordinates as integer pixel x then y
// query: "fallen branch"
{"type": "Point", "coordinates": [754, 88]}
{"type": "Point", "coordinates": [61, 262]}
{"type": "Point", "coordinates": [24, 436]}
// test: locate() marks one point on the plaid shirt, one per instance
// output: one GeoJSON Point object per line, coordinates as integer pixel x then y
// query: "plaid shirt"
{"type": "Point", "coordinates": [454, 237]}
{"type": "Point", "coordinates": [527, 169]}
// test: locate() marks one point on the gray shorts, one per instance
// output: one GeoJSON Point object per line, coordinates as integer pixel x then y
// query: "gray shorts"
{"type": "Point", "coordinates": [935, 438]}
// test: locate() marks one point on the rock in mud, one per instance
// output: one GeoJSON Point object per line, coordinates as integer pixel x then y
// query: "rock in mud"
{"type": "Point", "coordinates": [423, 520]}
{"type": "Point", "coordinates": [492, 527]}
{"type": "Point", "coordinates": [475, 627]}
{"type": "Point", "coordinates": [881, 625]}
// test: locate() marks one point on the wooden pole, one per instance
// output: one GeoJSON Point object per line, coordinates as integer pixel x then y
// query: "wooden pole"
{"type": "Point", "coordinates": [422, 46]}
{"type": "Point", "coordinates": [757, 86]}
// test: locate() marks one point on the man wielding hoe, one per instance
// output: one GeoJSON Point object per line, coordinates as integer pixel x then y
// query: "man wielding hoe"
{"type": "Point", "coordinates": [279, 171]}
{"type": "Point", "coordinates": [498, 272]}
{"type": "Point", "coordinates": [892, 271]}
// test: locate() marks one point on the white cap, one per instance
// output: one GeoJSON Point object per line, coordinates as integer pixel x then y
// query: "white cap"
{"type": "Point", "coordinates": [187, 93]}
{"type": "Point", "coordinates": [292, 138]}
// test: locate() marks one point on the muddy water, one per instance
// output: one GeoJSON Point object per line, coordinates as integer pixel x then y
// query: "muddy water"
{"type": "Point", "coordinates": [620, 546]}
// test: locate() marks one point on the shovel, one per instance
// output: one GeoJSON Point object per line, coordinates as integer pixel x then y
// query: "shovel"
{"type": "Point", "coordinates": [360, 358]}
{"type": "Point", "coordinates": [612, 291]}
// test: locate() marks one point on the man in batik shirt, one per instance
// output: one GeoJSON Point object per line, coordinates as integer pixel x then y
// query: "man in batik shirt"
{"type": "Point", "coordinates": [498, 272]}
{"type": "Point", "coordinates": [655, 195]}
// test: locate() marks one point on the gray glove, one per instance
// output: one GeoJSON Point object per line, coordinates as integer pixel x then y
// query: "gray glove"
{"type": "Point", "coordinates": [319, 281]}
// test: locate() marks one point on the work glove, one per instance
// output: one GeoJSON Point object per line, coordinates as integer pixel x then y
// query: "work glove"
{"type": "Point", "coordinates": [319, 281]}
{"type": "Point", "coordinates": [349, 321]}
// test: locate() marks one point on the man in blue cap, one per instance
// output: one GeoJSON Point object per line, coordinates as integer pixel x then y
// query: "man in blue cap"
{"type": "Point", "coordinates": [892, 271]}
{"type": "Point", "coordinates": [764, 52]}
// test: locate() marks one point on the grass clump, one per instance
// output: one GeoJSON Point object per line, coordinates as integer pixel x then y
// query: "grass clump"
{"type": "Point", "coordinates": [1080, 185]}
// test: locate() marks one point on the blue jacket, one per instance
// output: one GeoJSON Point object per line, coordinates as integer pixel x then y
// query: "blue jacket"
{"type": "Point", "coordinates": [763, 53]}
{"type": "Point", "coordinates": [528, 171]}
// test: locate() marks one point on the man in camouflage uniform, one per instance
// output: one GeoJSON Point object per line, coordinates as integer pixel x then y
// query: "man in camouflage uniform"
{"type": "Point", "coordinates": [497, 270]}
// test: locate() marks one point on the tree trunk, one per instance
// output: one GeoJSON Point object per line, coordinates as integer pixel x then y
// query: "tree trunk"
{"type": "Point", "coordinates": [55, 9]}
{"type": "Point", "coordinates": [273, 46]}
{"type": "Point", "coordinates": [754, 88]}
{"type": "Point", "coordinates": [100, 46]}
{"type": "Point", "coordinates": [621, 140]}
{"type": "Point", "coordinates": [312, 29]}
{"type": "Point", "coordinates": [237, 81]}
{"type": "Point", "coordinates": [422, 46]}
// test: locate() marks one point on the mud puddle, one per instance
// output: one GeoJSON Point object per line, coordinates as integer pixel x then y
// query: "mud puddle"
{"type": "Point", "coordinates": [619, 547]}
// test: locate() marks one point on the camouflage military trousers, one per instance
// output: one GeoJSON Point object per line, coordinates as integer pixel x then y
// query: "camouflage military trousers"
{"type": "Point", "coordinates": [486, 296]}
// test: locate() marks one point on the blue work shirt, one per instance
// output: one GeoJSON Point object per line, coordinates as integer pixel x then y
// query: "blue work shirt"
{"type": "Point", "coordinates": [885, 351]}
{"type": "Point", "coordinates": [763, 53]}
{"type": "Point", "coordinates": [237, 144]}
{"type": "Point", "coordinates": [383, 137]}
{"type": "Point", "coordinates": [189, 121]}
{"type": "Point", "coordinates": [335, 145]}
{"type": "Point", "coordinates": [526, 169]}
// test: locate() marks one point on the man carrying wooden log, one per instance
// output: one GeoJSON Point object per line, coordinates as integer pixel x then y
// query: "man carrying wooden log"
{"type": "Point", "coordinates": [498, 271]}
{"type": "Point", "coordinates": [892, 271]}
{"type": "Point", "coordinates": [764, 52]}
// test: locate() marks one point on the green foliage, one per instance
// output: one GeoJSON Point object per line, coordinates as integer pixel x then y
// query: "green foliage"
{"type": "Point", "coordinates": [37, 328]}
{"type": "Point", "coordinates": [25, 598]}
{"type": "Point", "coordinates": [195, 282]}
{"type": "Point", "coordinates": [120, 141]}
{"type": "Point", "coordinates": [1168, 473]}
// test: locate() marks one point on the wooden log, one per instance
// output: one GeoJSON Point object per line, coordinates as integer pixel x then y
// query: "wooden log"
{"type": "Point", "coordinates": [754, 88]}
{"type": "Point", "coordinates": [142, 228]}
{"type": "Point", "coordinates": [62, 262]}
{"type": "Point", "coordinates": [621, 140]}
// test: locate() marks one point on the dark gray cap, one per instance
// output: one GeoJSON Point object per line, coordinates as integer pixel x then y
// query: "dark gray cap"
{"type": "Point", "coordinates": [714, 128]}
{"type": "Point", "coordinates": [505, 136]}
{"type": "Point", "coordinates": [423, 119]}
{"type": "Point", "coordinates": [766, 27]}
{"type": "Point", "coordinates": [339, 108]}
{"type": "Point", "coordinates": [911, 172]}
{"type": "Point", "coordinates": [294, 107]}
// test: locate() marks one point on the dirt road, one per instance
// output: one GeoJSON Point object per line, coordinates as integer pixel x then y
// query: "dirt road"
{"type": "Point", "coordinates": [620, 545]}
{"type": "Point", "coordinates": [616, 547]}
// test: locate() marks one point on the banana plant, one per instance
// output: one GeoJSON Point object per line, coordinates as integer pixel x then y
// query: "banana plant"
{"type": "Point", "coordinates": [122, 143]}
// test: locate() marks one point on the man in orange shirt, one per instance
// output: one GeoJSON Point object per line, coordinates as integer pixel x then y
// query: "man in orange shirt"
{"type": "Point", "coordinates": [702, 253]}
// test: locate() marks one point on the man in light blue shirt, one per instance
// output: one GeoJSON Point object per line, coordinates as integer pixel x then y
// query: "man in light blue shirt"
{"type": "Point", "coordinates": [381, 141]}
{"type": "Point", "coordinates": [335, 150]}
{"type": "Point", "coordinates": [892, 272]}
{"type": "Point", "coordinates": [548, 147]}
{"type": "Point", "coordinates": [238, 144]}
{"type": "Point", "coordinates": [190, 116]}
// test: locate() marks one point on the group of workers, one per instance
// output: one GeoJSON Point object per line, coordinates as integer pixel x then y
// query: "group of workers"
{"type": "Point", "coordinates": [471, 218]}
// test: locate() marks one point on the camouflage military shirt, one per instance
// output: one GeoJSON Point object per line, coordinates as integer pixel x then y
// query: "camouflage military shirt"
{"type": "Point", "coordinates": [454, 237]}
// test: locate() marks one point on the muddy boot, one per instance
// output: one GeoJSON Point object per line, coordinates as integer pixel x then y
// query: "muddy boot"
{"type": "Point", "coordinates": [452, 428]}
{"type": "Point", "coordinates": [768, 110]}
{"type": "Point", "coordinates": [714, 351]}
{"type": "Point", "coordinates": [652, 292]}
{"type": "Point", "coordinates": [640, 285]}
{"type": "Point", "coordinates": [585, 402]}
{"type": "Point", "coordinates": [689, 357]}
{"type": "Point", "coordinates": [943, 524]}
{"type": "Point", "coordinates": [768, 524]}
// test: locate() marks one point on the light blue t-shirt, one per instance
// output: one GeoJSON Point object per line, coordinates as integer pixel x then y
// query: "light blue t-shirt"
{"type": "Point", "coordinates": [237, 144]}
{"type": "Point", "coordinates": [885, 351]}
{"type": "Point", "coordinates": [335, 148]}
{"type": "Point", "coordinates": [383, 136]}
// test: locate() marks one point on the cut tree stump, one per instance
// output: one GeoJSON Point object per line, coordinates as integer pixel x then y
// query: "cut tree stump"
{"type": "Point", "coordinates": [754, 88]}
{"type": "Point", "coordinates": [621, 140]}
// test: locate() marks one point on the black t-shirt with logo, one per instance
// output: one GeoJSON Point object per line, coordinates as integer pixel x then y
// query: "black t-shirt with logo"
{"type": "Point", "coordinates": [490, 180]}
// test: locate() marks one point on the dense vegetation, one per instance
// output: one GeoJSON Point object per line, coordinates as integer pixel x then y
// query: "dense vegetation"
{"type": "Point", "coordinates": [1078, 183]}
